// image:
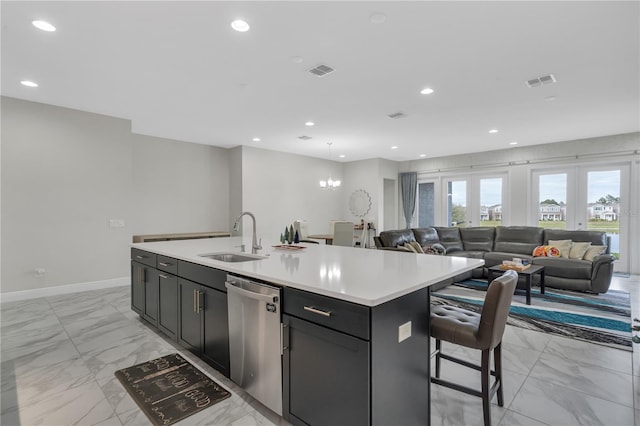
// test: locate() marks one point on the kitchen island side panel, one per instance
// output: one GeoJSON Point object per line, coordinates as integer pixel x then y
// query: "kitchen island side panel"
{"type": "Point", "coordinates": [400, 370]}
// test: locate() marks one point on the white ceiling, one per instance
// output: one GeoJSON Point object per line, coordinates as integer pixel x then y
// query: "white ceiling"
{"type": "Point", "coordinates": [178, 70]}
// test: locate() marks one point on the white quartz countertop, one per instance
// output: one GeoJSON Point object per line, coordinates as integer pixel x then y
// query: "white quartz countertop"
{"type": "Point", "coordinates": [364, 276]}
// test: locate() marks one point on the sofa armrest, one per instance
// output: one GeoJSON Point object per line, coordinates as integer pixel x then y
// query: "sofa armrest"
{"type": "Point", "coordinates": [602, 273]}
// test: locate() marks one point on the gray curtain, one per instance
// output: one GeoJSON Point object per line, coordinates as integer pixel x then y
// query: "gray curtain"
{"type": "Point", "coordinates": [408, 188]}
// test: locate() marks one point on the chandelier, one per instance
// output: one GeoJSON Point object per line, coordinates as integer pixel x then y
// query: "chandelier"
{"type": "Point", "coordinates": [329, 183]}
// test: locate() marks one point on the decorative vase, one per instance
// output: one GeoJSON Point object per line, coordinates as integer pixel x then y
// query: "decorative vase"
{"type": "Point", "coordinates": [290, 239]}
{"type": "Point", "coordinates": [296, 238]}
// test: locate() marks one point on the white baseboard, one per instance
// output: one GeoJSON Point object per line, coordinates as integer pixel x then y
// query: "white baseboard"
{"type": "Point", "coordinates": [16, 296]}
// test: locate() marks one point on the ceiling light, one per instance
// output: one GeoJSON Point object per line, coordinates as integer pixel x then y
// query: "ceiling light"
{"type": "Point", "coordinates": [513, 143]}
{"type": "Point", "coordinates": [550, 98]}
{"type": "Point", "coordinates": [394, 147]}
{"type": "Point", "coordinates": [309, 123]}
{"type": "Point", "coordinates": [423, 155]}
{"type": "Point", "coordinates": [426, 91]}
{"type": "Point", "coordinates": [329, 183]}
{"type": "Point", "coordinates": [43, 25]}
{"type": "Point", "coordinates": [297, 59]}
{"type": "Point", "coordinates": [256, 139]}
{"type": "Point", "coordinates": [29, 83]}
{"type": "Point", "coordinates": [493, 131]}
{"type": "Point", "coordinates": [342, 156]}
{"type": "Point", "coordinates": [240, 25]}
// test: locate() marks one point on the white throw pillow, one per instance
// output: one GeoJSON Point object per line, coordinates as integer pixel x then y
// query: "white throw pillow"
{"type": "Point", "coordinates": [594, 251]}
{"type": "Point", "coordinates": [578, 250]}
{"type": "Point", "coordinates": [563, 245]}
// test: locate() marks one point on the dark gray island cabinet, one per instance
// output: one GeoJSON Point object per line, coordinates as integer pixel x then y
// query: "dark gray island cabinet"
{"type": "Point", "coordinates": [344, 363]}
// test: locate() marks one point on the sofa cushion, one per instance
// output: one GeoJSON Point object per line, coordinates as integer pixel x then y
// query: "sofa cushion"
{"type": "Point", "coordinates": [565, 268]}
{"type": "Point", "coordinates": [426, 236]}
{"type": "Point", "coordinates": [479, 238]}
{"type": "Point", "coordinates": [521, 240]}
{"type": "Point", "coordinates": [594, 251]}
{"type": "Point", "coordinates": [594, 237]}
{"type": "Point", "coordinates": [578, 249]}
{"type": "Point", "coordinates": [563, 245]}
{"type": "Point", "coordinates": [450, 238]}
{"type": "Point", "coordinates": [396, 238]}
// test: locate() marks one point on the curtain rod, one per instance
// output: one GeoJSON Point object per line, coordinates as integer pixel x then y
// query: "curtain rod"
{"type": "Point", "coordinates": [617, 154]}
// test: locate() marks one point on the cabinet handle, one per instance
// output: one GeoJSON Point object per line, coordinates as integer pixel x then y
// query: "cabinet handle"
{"type": "Point", "coordinates": [194, 301]}
{"type": "Point", "coordinates": [317, 311]}
{"type": "Point", "coordinates": [283, 346]}
{"type": "Point", "coordinates": [163, 276]}
{"type": "Point", "coordinates": [140, 257]}
{"type": "Point", "coordinates": [198, 293]}
{"type": "Point", "coordinates": [164, 264]}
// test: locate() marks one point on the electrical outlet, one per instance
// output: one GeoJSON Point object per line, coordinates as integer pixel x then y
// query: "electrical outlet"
{"type": "Point", "coordinates": [38, 272]}
{"type": "Point", "coordinates": [404, 331]}
{"type": "Point", "coordinates": [116, 223]}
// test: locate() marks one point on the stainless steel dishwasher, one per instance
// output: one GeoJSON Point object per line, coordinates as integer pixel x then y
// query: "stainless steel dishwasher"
{"type": "Point", "coordinates": [255, 347]}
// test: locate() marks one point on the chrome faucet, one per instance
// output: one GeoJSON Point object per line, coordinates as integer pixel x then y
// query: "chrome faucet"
{"type": "Point", "coordinates": [255, 245]}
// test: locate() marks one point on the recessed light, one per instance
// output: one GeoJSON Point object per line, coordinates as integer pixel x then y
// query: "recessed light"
{"type": "Point", "coordinates": [377, 18]}
{"type": "Point", "coordinates": [43, 25]}
{"type": "Point", "coordinates": [423, 155]}
{"type": "Point", "coordinates": [427, 91]}
{"type": "Point", "coordinates": [240, 25]}
{"type": "Point", "coordinates": [341, 155]}
{"type": "Point", "coordinates": [297, 59]}
{"type": "Point", "coordinates": [309, 123]}
{"type": "Point", "coordinates": [29, 83]}
{"type": "Point", "coordinates": [256, 139]}
{"type": "Point", "coordinates": [493, 131]}
{"type": "Point", "coordinates": [550, 98]}
{"type": "Point", "coordinates": [394, 147]}
{"type": "Point", "coordinates": [513, 143]}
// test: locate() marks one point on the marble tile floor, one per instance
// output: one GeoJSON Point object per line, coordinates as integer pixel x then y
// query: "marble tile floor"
{"type": "Point", "coordinates": [59, 354]}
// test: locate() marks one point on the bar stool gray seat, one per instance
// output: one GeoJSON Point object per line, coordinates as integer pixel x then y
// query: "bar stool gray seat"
{"type": "Point", "coordinates": [477, 331]}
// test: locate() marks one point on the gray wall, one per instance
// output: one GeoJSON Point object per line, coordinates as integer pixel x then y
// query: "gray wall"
{"type": "Point", "coordinates": [65, 173]}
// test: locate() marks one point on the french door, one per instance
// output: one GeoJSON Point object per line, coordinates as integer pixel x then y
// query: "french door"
{"type": "Point", "coordinates": [589, 197]}
{"type": "Point", "coordinates": [475, 200]}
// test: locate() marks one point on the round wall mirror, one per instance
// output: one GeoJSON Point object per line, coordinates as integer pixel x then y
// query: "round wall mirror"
{"type": "Point", "coordinates": [360, 203]}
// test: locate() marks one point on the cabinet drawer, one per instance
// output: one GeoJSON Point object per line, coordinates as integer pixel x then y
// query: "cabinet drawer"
{"type": "Point", "coordinates": [205, 275]}
{"type": "Point", "coordinates": [339, 315]}
{"type": "Point", "coordinates": [144, 257]}
{"type": "Point", "coordinates": [168, 264]}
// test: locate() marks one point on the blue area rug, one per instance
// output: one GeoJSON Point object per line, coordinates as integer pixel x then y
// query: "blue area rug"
{"type": "Point", "coordinates": [604, 319]}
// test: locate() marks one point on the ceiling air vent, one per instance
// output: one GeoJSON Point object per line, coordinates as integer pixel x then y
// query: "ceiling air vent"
{"type": "Point", "coordinates": [539, 81]}
{"type": "Point", "coordinates": [321, 70]}
{"type": "Point", "coordinates": [397, 115]}
{"type": "Point", "coordinates": [304, 138]}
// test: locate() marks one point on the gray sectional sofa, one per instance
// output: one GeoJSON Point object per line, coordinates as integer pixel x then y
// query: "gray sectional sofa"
{"type": "Point", "coordinates": [506, 242]}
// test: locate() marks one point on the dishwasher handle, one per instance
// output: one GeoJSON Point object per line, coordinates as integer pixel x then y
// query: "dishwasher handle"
{"type": "Point", "coordinates": [250, 294]}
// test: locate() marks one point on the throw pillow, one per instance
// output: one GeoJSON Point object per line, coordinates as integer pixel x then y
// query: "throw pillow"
{"type": "Point", "coordinates": [539, 251]}
{"type": "Point", "coordinates": [402, 248]}
{"type": "Point", "coordinates": [410, 247]}
{"type": "Point", "coordinates": [548, 251]}
{"type": "Point", "coordinates": [417, 247]}
{"type": "Point", "coordinates": [563, 245]}
{"type": "Point", "coordinates": [578, 250]}
{"type": "Point", "coordinates": [593, 252]}
{"type": "Point", "coordinates": [435, 249]}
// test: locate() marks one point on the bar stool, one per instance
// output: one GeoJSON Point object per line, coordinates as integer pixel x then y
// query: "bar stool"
{"type": "Point", "coordinates": [477, 331]}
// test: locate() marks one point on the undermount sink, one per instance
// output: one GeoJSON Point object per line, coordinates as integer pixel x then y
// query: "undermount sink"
{"type": "Point", "coordinates": [232, 257]}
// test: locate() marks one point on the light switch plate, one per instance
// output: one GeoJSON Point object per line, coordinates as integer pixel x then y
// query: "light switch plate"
{"type": "Point", "coordinates": [404, 331]}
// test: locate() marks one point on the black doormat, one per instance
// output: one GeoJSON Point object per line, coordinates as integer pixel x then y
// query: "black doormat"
{"type": "Point", "coordinates": [168, 389]}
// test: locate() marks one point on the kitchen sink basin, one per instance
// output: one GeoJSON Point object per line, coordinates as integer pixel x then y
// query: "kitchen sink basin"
{"type": "Point", "coordinates": [232, 257]}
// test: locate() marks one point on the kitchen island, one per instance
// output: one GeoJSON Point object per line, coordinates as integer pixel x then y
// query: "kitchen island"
{"type": "Point", "coordinates": [355, 338]}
